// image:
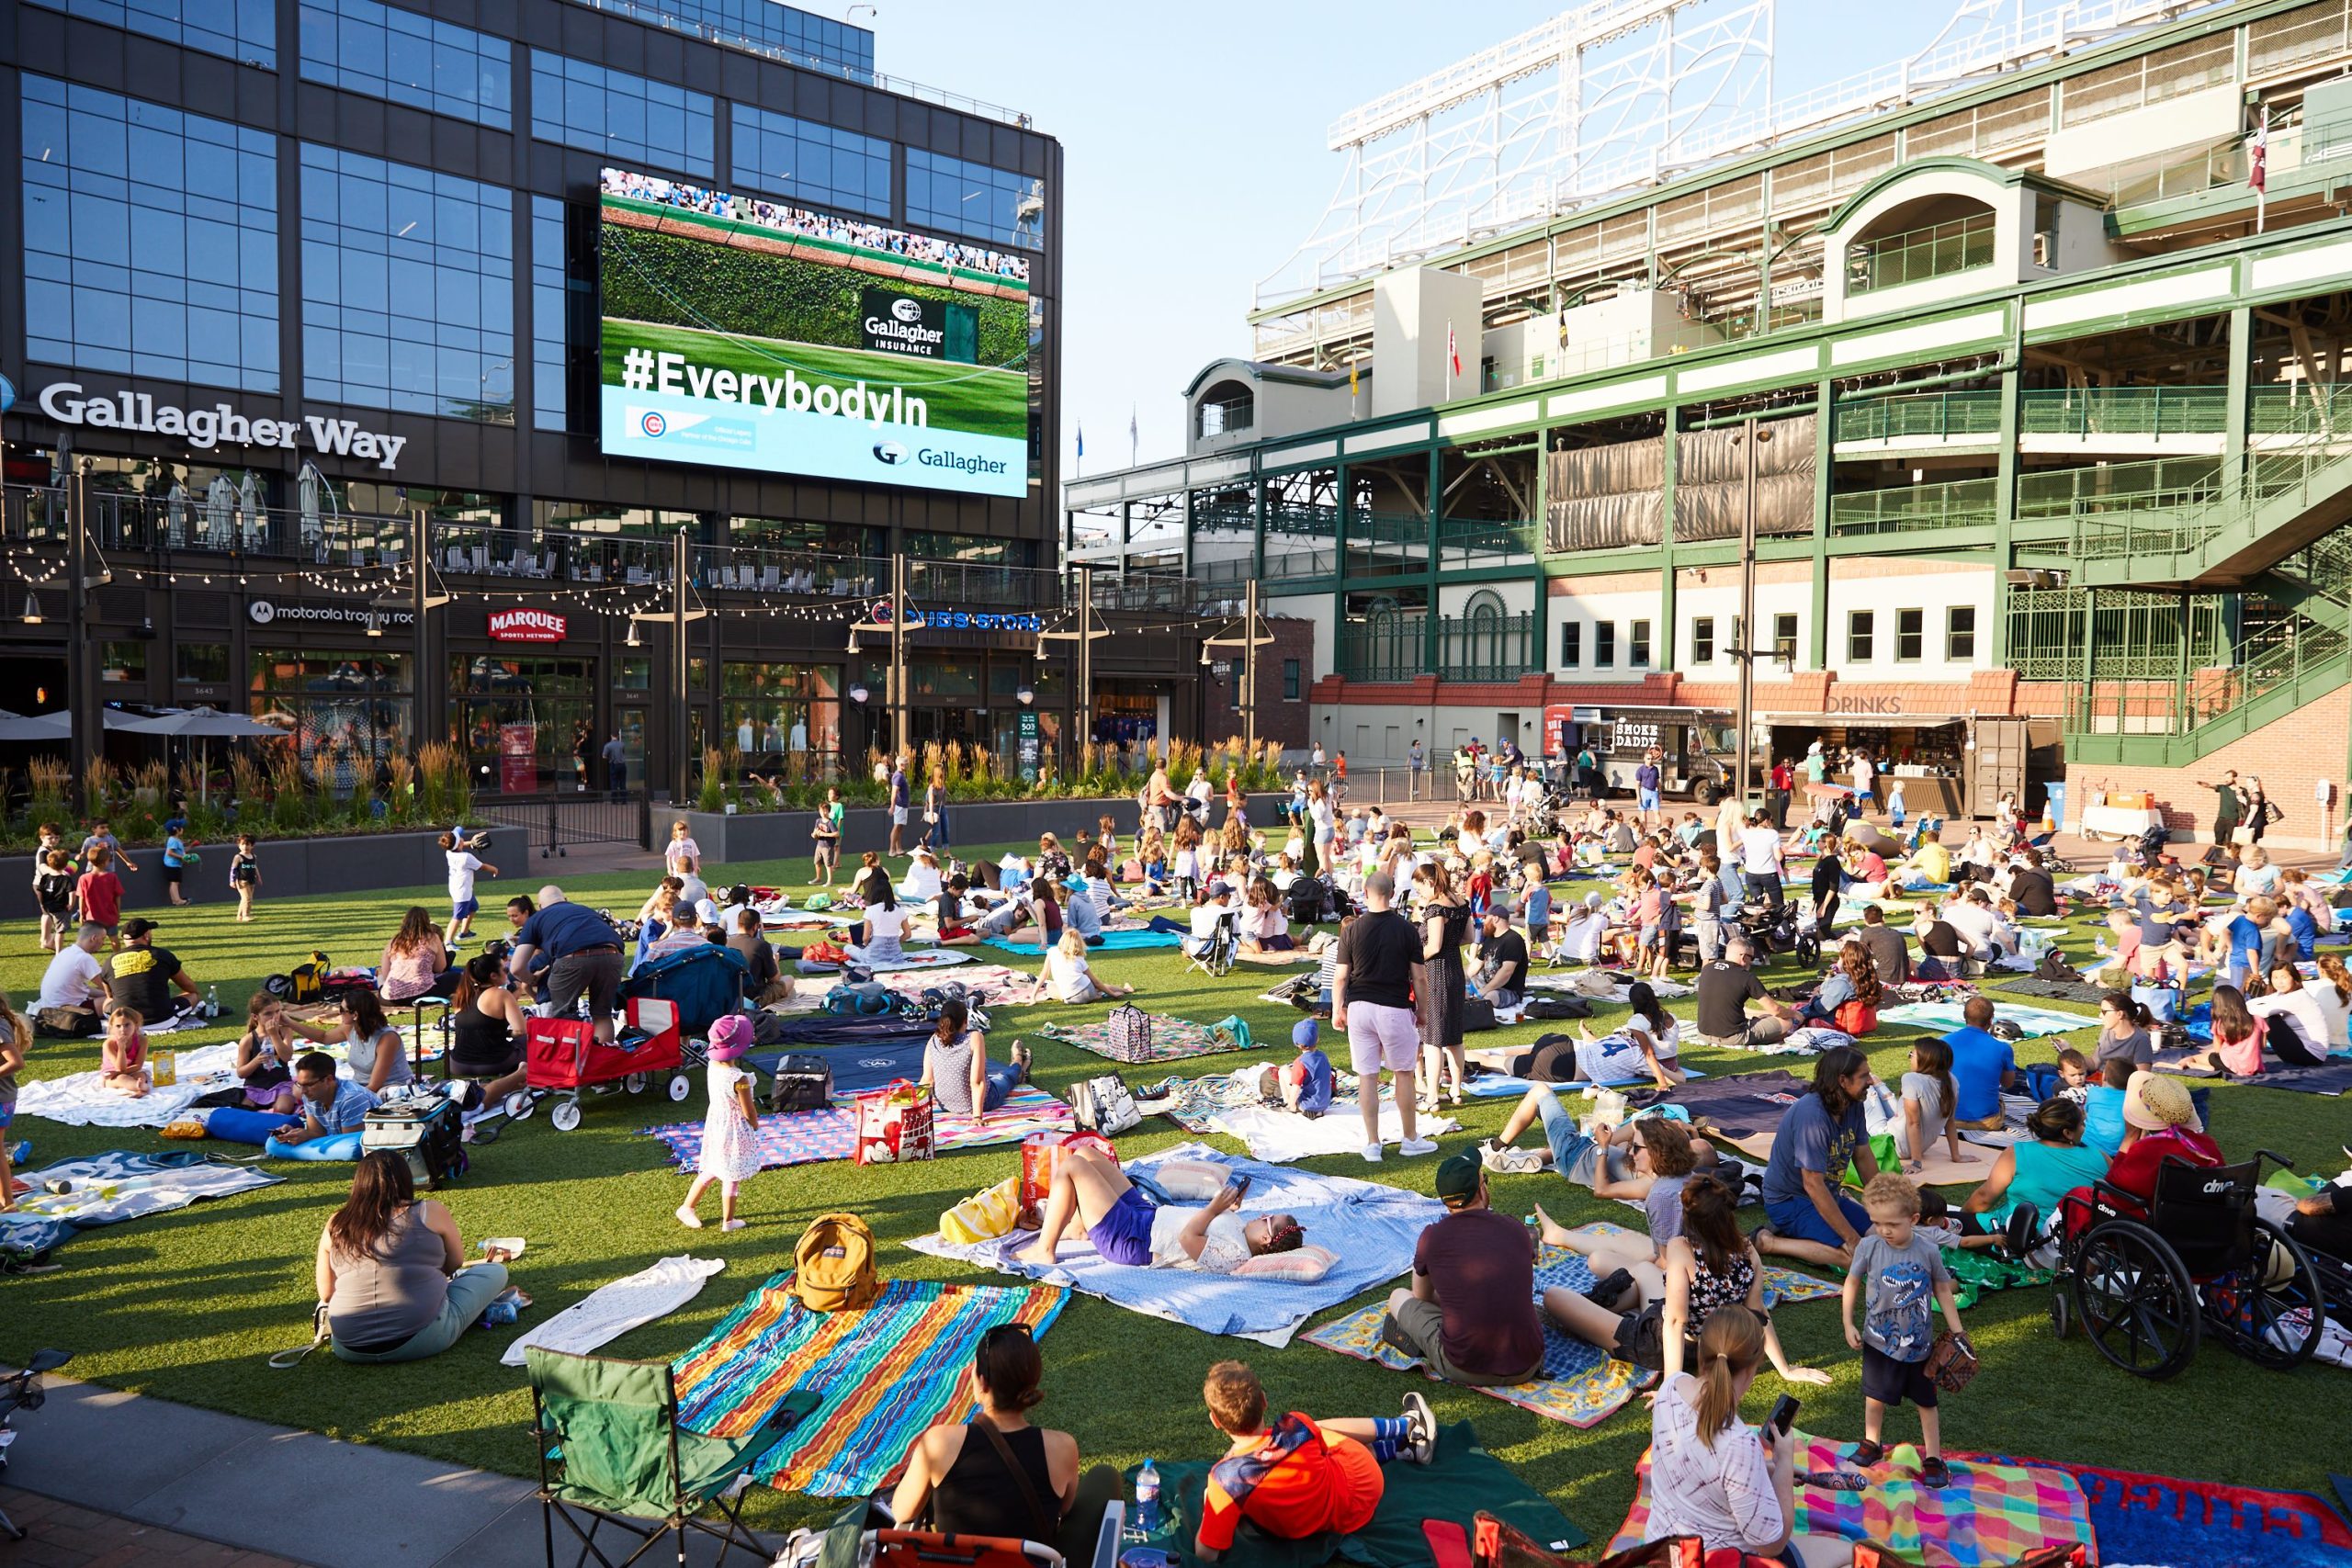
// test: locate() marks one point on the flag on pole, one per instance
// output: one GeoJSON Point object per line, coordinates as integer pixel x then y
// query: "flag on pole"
{"type": "Point", "coordinates": [1135, 437]}
{"type": "Point", "coordinates": [2258, 171]}
{"type": "Point", "coordinates": [1564, 326]}
{"type": "Point", "coordinates": [1453, 354]}
{"type": "Point", "coordinates": [1352, 380]}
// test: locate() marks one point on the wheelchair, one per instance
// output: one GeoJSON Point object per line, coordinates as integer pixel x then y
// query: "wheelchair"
{"type": "Point", "coordinates": [2148, 1284]}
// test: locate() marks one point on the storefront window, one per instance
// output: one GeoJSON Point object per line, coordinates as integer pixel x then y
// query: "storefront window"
{"type": "Point", "coordinates": [971, 551]}
{"type": "Point", "coordinates": [365, 498]}
{"type": "Point", "coordinates": [122, 661]}
{"type": "Point", "coordinates": [597, 517]}
{"type": "Point", "coordinates": [770, 713]}
{"type": "Point", "coordinates": [800, 535]}
{"type": "Point", "coordinates": [526, 724]}
{"type": "Point", "coordinates": [637, 675]}
{"type": "Point", "coordinates": [348, 711]}
{"type": "Point", "coordinates": [200, 662]}
{"type": "Point", "coordinates": [943, 678]}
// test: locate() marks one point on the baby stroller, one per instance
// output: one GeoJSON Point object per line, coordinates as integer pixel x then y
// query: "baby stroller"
{"type": "Point", "coordinates": [22, 1391]}
{"type": "Point", "coordinates": [1792, 930]}
{"type": "Point", "coordinates": [1212, 954]}
{"type": "Point", "coordinates": [2147, 1284]}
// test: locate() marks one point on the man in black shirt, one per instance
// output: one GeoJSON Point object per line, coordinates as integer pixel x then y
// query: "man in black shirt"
{"type": "Point", "coordinates": [1942, 950]}
{"type": "Point", "coordinates": [1372, 1003]}
{"type": "Point", "coordinates": [1505, 975]}
{"type": "Point", "coordinates": [146, 976]}
{"type": "Point", "coordinates": [1726, 988]}
{"type": "Point", "coordinates": [1888, 957]}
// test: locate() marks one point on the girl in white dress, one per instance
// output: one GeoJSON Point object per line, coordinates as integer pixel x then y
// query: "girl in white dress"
{"type": "Point", "coordinates": [730, 1129]}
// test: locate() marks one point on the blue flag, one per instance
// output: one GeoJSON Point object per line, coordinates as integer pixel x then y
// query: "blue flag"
{"type": "Point", "coordinates": [1082, 439]}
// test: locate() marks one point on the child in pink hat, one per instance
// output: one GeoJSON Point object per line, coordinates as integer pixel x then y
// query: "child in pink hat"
{"type": "Point", "coordinates": [730, 1128]}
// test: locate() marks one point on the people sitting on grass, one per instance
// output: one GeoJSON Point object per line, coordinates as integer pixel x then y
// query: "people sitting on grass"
{"type": "Point", "coordinates": [1848, 998]}
{"type": "Point", "coordinates": [880, 935]}
{"type": "Point", "coordinates": [392, 1269]}
{"type": "Point", "coordinates": [1265, 928]}
{"type": "Point", "coordinates": [1661, 1154]}
{"type": "Point", "coordinates": [1653, 1315]}
{"type": "Point", "coordinates": [1921, 1117]}
{"type": "Point", "coordinates": [1714, 1476]}
{"type": "Point", "coordinates": [1300, 1478]}
{"type": "Point", "coordinates": [956, 1069]}
{"type": "Point", "coordinates": [1820, 1136]}
{"type": "Point", "coordinates": [1726, 988]}
{"type": "Point", "coordinates": [1983, 1068]}
{"type": "Point", "coordinates": [1898, 1278]}
{"type": "Point", "coordinates": [2237, 1039]}
{"type": "Point", "coordinates": [416, 960]}
{"type": "Point", "coordinates": [996, 1475]}
{"type": "Point", "coordinates": [1646, 1044]}
{"type": "Point", "coordinates": [1128, 1227]}
{"type": "Point", "coordinates": [266, 1055]}
{"type": "Point", "coordinates": [378, 1055]}
{"type": "Point", "coordinates": [1069, 978]}
{"type": "Point", "coordinates": [328, 1103]}
{"type": "Point", "coordinates": [1469, 1315]}
{"type": "Point", "coordinates": [122, 1056]}
{"type": "Point", "coordinates": [2017, 1198]}
{"type": "Point", "coordinates": [488, 1024]}
{"type": "Point", "coordinates": [148, 978]}
{"type": "Point", "coordinates": [1306, 1082]}
{"type": "Point", "coordinates": [2295, 1027]}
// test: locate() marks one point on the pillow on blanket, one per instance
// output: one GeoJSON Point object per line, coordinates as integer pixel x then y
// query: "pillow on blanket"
{"type": "Point", "coordinates": [1303, 1266]}
{"type": "Point", "coordinates": [332, 1146]}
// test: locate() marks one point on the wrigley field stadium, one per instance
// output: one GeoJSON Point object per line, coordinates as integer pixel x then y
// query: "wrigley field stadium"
{"type": "Point", "coordinates": [2017, 360]}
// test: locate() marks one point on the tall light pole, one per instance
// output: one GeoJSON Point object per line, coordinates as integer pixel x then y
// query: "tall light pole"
{"type": "Point", "coordinates": [1253, 637]}
{"type": "Point", "coordinates": [86, 745]}
{"type": "Point", "coordinates": [1084, 637]}
{"type": "Point", "coordinates": [897, 628]}
{"type": "Point", "coordinates": [1752, 435]}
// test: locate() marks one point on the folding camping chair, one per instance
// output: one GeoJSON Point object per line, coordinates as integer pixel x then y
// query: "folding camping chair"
{"type": "Point", "coordinates": [610, 1447]}
{"type": "Point", "coordinates": [1212, 954]}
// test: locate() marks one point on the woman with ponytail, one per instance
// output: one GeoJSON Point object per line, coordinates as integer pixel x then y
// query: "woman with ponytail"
{"type": "Point", "coordinates": [1714, 1476]}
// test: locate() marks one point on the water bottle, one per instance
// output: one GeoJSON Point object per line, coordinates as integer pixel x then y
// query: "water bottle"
{"type": "Point", "coordinates": [212, 1001]}
{"type": "Point", "coordinates": [1147, 1499]}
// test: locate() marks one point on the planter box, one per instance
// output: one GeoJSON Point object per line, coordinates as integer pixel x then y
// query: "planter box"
{"type": "Point", "coordinates": [784, 835]}
{"type": "Point", "coordinates": [295, 868]}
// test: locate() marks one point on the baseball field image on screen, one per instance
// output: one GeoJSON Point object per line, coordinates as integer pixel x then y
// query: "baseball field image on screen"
{"type": "Point", "coordinates": [748, 333]}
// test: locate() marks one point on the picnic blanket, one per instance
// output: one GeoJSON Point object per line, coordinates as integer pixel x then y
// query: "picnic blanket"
{"type": "Point", "coordinates": [1372, 1228]}
{"type": "Point", "coordinates": [110, 1188]}
{"type": "Point", "coordinates": [1172, 1040]}
{"type": "Point", "coordinates": [2161, 1521]}
{"type": "Point", "coordinates": [1279, 1137]}
{"type": "Point", "coordinates": [610, 1310]}
{"type": "Point", "coordinates": [1994, 1512]}
{"type": "Point", "coordinates": [1112, 942]}
{"type": "Point", "coordinates": [1945, 1016]}
{"type": "Point", "coordinates": [2057, 990]}
{"type": "Point", "coordinates": [805, 1138]}
{"type": "Point", "coordinates": [880, 1374]}
{"type": "Point", "coordinates": [82, 1099]}
{"type": "Point", "coordinates": [1461, 1481]}
{"type": "Point", "coordinates": [1500, 1057]}
{"type": "Point", "coordinates": [1740, 1106]}
{"type": "Point", "coordinates": [1586, 983]}
{"type": "Point", "coordinates": [992, 984]}
{"type": "Point", "coordinates": [915, 958]}
{"type": "Point", "coordinates": [2329, 1078]}
{"type": "Point", "coordinates": [1580, 1383]}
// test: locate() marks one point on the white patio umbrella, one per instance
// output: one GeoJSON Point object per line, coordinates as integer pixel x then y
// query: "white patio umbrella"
{"type": "Point", "coordinates": [199, 724]}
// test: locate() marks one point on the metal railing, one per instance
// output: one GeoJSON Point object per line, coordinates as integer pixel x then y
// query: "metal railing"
{"type": "Point", "coordinates": [1462, 537]}
{"type": "Point", "coordinates": [1470, 648]}
{"type": "Point", "coordinates": [1957, 503]}
{"type": "Point", "coordinates": [226, 522]}
{"type": "Point", "coordinates": [551, 555]}
{"type": "Point", "coordinates": [752, 569]}
{"type": "Point", "coordinates": [1916, 254]}
{"type": "Point", "coordinates": [1935, 415]}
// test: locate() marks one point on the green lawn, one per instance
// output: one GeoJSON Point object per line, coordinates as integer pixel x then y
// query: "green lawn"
{"type": "Point", "coordinates": [976, 400]}
{"type": "Point", "coordinates": [187, 1306]}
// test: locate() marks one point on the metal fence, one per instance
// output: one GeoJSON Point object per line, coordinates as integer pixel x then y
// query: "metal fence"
{"type": "Point", "coordinates": [557, 822]}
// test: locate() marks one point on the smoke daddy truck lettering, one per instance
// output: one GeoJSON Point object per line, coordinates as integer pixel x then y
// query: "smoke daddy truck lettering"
{"type": "Point", "coordinates": [675, 374]}
{"type": "Point", "coordinates": [219, 425]}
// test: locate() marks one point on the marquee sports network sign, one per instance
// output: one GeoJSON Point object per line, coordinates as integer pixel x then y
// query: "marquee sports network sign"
{"type": "Point", "coordinates": [520, 624]}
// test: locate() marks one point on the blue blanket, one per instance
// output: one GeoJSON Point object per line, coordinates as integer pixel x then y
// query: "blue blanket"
{"type": "Point", "coordinates": [1371, 1228]}
{"type": "Point", "coordinates": [858, 1068]}
{"type": "Point", "coordinates": [1112, 942]}
{"type": "Point", "coordinates": [110, 1188]}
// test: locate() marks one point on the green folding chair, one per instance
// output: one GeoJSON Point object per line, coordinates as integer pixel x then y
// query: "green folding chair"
{"type": "Point", "coordinates": [610, 1447]}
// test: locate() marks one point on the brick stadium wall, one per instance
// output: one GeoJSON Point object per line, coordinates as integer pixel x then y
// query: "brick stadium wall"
{"type": "Point", "coordinates": [1278, 719]}
{"type": "Point", "coordinates": [2291, 757]}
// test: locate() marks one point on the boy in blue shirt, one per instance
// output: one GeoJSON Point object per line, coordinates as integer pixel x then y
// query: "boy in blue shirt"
{"type": "Point", "coordinates": [1307, 1082]}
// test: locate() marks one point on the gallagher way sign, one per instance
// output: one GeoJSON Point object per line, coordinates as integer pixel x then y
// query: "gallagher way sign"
{"type": "Point", "coordinates": [219, 425]}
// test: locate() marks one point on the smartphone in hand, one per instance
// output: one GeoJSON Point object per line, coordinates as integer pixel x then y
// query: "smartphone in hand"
{"type": "Point", "coordinates": [1784, 1414]}
{"type": "Point", "coordinates": [1238, 1188]}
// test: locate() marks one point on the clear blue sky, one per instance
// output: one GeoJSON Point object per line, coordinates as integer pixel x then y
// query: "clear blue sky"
{"type": "Point", "coordinates": [1195, 157]}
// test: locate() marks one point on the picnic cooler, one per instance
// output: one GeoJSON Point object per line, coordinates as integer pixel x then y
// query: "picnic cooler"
{"type": "Point", "coordinates": [1041, 1155]}
{"type": "Point", "coordinates": [563, 1053]}
{"type": "Point", "coordinates": [894, 1124]}
{"type": "Point", "coordinates": [804, 1081]}
{"type": "Point", "coordinates": [426, 1129]}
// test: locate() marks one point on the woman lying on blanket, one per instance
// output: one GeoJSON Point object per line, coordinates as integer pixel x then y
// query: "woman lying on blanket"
{"type": "Point", "coordinates": [956, 1066]}
{"type": "Point", "coordinates": [1299, 1478]}
{"type": "Point", "coordinates": [1655, 1319]}
{"type": "Point", "coordinates": [1714, 1476]}
{"type": "Point", "coordinates": [392, 1269]}
{"type": "Point", "coordinates": [1648, 1043]}
{"type": "Point", "coordinates": [1129, 1228]}
{"type": "Point", "coordinates": [997, 1475]}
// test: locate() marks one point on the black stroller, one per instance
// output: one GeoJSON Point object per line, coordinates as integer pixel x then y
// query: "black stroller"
{"type": "Point", "coordinates": [22, 1391]}
{"type": "Point", "coordinates": [1791, 928]}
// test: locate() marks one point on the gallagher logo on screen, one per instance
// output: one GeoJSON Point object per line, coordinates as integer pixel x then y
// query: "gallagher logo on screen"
{"type": "Point", "coordinates": [889, 452]}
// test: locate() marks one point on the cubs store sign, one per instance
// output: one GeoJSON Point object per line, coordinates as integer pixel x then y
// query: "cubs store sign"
{"type": "Point", "coordinates": [527, 625]}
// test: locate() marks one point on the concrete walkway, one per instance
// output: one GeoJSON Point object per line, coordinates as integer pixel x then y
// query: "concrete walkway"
{"type": "Point", "coordinates": [226, 1480]}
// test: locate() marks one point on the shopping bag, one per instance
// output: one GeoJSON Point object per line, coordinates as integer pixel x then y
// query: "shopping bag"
{"type": "Point", "coordinates": [894, 1124]}
{"type": "Point", "coordinates": [1041, 1155]}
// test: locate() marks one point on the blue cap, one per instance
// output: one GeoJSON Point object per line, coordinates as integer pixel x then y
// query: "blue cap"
{"type": "Point", "coordinates": [1305, 1033]}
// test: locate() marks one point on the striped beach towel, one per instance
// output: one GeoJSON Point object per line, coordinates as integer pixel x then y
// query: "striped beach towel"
{"type": "Point", "coordinates": [804, 1137]}
{"type": "Point", "coordinates": [881, 1374]}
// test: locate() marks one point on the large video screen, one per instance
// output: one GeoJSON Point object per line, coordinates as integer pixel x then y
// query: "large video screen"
{"type": "Point", "coordinates": [748, 333]}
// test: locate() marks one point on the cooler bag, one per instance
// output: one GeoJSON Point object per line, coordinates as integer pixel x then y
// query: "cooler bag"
{"type": "Point", "coordinates": [426, 1129]}
{"type": "Point", "coordinates": [803, 1082]}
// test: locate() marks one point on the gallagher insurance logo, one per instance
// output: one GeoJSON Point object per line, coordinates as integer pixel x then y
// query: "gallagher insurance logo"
{"type": "Point", "coordinates": [906, 310]}
{"type": "Point", "coordinates": [889, 452]}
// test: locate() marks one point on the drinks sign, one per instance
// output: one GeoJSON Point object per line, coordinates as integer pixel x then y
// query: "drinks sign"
{"type": "Point", "coordinates": [520, 624]}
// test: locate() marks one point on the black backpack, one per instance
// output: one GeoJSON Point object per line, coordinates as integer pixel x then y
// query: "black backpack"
{"type": "Point", "coordinates": [2052, 965]}
{"type": "Point", "coordinates": [1306, 900]}
{"type": "Point", "coordinates": [803, 1082]}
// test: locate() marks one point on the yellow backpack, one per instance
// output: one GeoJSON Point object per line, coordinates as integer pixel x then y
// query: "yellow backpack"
{"type": "Point", "coordinates": [835, 1264]}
